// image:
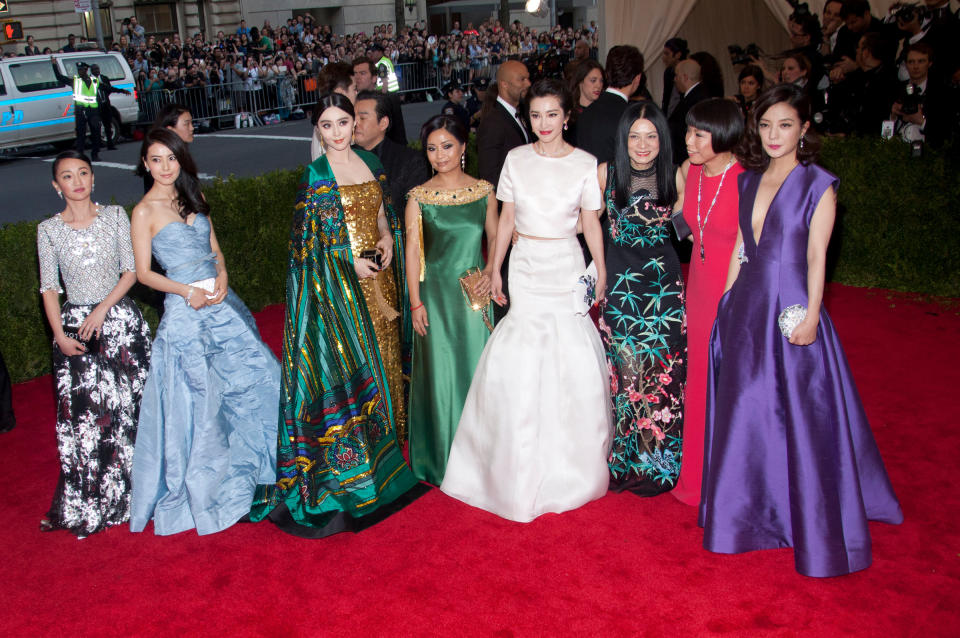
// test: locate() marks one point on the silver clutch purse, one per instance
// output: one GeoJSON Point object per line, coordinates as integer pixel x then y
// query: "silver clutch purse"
{"type": "Point", "coordinates": [789, 318]}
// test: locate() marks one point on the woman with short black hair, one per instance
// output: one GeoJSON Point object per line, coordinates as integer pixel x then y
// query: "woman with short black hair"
{"type": "Point", "coordinates": [101, 351]}
{"type": "Point", "coordinates": [709, 207]}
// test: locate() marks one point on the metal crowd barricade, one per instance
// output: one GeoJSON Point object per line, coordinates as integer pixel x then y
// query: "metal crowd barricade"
{"type": "Point", "coordinates": [220, 104]}
{"type": "Point", "coordinates": [418, 76]}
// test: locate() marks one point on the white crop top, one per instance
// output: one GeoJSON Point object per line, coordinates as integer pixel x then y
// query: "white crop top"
{"type": "Point", "coordinates": [548, 192]}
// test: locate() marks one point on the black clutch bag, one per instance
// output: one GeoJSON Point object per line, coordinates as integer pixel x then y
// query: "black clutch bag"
{"type": "Point", "coordinates": [373, 255]}
{"type": "Point", "coordinates": [92, 344]}
{"type": "Point", "coordinates": [680, 225]}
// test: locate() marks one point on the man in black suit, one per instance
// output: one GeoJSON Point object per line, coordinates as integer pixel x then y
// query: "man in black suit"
{"type": "Point", "coordinates": [405, 168]}
{"type": "Point", "coordinates": [502, 129]}
{"type": "Point", "coordinates": [692, 91]}
{"type": "Point", "coordinates": [597, 125]}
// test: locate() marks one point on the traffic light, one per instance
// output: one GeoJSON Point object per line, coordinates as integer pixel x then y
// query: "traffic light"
{"type": "Point", "coordinates": [13, 30]}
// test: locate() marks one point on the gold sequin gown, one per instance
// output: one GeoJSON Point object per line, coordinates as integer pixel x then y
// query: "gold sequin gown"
{"type": "Point", "coordinates": [361, 203]}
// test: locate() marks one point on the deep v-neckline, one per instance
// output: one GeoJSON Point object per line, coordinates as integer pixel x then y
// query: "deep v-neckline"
{"type": "Point", "coordinates": [766, 215]}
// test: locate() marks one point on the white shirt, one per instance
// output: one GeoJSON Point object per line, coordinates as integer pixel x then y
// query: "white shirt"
{"type": "Point", "coordinates": [625, 97]}
{"type": "Point", "coordinates": [512, 110]}
{"type": "Point", "coordinates": [687, 92]}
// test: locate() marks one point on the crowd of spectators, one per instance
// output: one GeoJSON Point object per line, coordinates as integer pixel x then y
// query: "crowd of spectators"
{"type": "Point", "coordinates": [278, 61]}
{"type": "Point", "coordinates": [895, 75]}
{"type": "Point", "coordinates": [898, 75]}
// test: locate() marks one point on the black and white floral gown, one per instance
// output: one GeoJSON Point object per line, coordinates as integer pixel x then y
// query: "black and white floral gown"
{"type": "Point", "coordinates": [98, 393]}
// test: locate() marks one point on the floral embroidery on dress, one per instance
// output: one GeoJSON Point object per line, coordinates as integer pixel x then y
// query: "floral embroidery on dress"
{"type": "Point", "coordinates": [643, 327]}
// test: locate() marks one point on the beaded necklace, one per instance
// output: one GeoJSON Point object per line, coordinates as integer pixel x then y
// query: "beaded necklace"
{"type": "Point", "coordinates": [706, 218]}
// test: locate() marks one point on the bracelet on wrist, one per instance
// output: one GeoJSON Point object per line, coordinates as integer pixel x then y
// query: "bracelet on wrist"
{"type": "Point", "coordinates": [417, 307]}
{"type": "Point", "coordinates": [189, 294]}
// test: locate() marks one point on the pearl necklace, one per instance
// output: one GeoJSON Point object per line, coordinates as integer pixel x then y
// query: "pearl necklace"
{"type": "Point", "coordinates": [710, 209]}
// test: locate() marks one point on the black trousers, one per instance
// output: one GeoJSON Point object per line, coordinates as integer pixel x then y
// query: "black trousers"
{"type": "Point", "coordinates": [7, 420]}
{"type": "Point", "coordinates": [106, 116]}
{"type": "Point", "coordinates": [87, 116]}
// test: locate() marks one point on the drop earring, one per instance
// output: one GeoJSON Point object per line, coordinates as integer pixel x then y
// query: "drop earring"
{"type": "Point", "coordinates": [92, 188]}
{"type": "Point", "coordinates": [463, 162]}
{"type": "Point", "coordinates": [801, 143]}
{"type": "Point", "coordinates": [564, 126]}
{"type": "Point", "coordinates": [60, 194]}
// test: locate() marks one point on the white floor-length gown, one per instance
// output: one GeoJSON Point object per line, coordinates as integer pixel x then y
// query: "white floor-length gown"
{"type": "Point", "coordinates": [536, 427]}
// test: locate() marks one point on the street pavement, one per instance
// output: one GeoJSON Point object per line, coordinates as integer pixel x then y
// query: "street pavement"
{"type": "Point", "coordinates": [26, 176]}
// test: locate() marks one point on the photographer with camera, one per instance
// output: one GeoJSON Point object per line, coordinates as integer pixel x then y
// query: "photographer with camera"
{"type": "Point", "coordinates": [919, 108]}
{"type": "Point", "coordinates": [864, 97]}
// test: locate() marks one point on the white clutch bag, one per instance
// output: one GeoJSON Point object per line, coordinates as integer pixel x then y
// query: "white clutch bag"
{"type": "Point", "coordinates": [790, 317]}
{"type": "Point", "coordinates": [209, 285]}
{"type": "Point", "coordinates": [584, 289]}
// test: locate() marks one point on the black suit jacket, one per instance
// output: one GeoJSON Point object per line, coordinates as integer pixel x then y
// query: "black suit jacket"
{"type": "Point", "coordinates": [405, 168]}
{"type": "Point", "coordinates": [678, 121]}
{"type": "Point", "coordinates": [597, 126]}
{"type": "Point", "coordinates": [499, 132]}
{"type": "Point", "coordinates": [397, 131]}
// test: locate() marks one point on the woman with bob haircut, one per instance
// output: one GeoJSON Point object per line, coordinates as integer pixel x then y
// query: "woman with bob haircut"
{"type": "Point", "coordinates": [642, 323]}
{"type": "Point", "coordinates": [789, 458]}
{"type": "Point", "coordinates": [208, 419]}
{"type": "Point", "coordinates": [345, 345]}
{"type": "Point", "coordinates": [101, 351]}
{"type": "Point", "coordinates": [446, 218]}
{"type": "Point", "coordinates": [709, 210]}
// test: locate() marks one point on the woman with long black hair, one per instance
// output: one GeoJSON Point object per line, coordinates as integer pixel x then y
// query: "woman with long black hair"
{"type": "Point", "coordinates": [208, 420]}
{"type": "Point", "coordinates": [643, 324]}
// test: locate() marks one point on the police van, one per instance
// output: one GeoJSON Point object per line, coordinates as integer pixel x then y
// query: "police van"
{"type": "Point", "coordinates": [36, 109]}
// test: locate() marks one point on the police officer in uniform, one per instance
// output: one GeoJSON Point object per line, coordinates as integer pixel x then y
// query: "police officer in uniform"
{"type": "Point", "coordinates": [86, 112]}
{"type": "Point", "coordinates": [386, 73]}
{"type": "Point", "coordinates": [454, 106]}
{"type": "Point", "coordinates": [474, 101]}
{"type": "Point", "coordinates": [103, 103]}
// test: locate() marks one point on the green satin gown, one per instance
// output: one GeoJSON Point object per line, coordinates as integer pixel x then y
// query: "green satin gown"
{"type": "Point", "coordinates": [451, 223]}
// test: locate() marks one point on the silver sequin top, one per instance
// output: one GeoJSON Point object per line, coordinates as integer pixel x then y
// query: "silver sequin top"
{"type": "Point", "coordinates": [90, 260]}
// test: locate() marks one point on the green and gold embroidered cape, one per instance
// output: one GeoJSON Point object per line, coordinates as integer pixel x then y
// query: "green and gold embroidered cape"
{"type": "Point", "coordinates": [337, 448]}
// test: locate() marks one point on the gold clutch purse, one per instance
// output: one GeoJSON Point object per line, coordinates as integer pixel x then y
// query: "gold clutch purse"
{"type": "Point", "coordinates": [478, 302]}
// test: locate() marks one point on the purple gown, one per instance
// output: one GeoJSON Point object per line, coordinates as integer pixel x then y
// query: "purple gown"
{"type": "Point", "coordinates": [789, 458]}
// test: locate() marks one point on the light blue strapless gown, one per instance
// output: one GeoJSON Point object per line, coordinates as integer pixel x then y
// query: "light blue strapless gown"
{"type": "Point", "coordinates": [208, 419]}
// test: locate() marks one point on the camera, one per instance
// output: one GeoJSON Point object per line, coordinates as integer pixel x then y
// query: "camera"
{"type": "Point", "coordinates": [907, 12]}
{"type": "Point", "coordinates": [910, 99]}
{"type": "Point", "coordinates": [743, 55]}
{"type": "Point", "coordinates": [800, 9]}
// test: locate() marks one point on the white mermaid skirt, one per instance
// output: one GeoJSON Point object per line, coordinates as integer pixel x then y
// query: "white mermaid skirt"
{"type": "Point", "coordinates": [536, 427]}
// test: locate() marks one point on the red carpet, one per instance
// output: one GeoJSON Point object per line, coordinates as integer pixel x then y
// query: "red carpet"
{"type": "Point", "coordinates": [621, 566]}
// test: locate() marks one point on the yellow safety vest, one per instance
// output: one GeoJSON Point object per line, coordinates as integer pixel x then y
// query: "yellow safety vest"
{"type": "Point", "coordinates": [393, 85]}
{"type": "Point", "coordinates": [85, 95]}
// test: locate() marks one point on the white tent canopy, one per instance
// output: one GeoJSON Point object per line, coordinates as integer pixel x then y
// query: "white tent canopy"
{"type": "Point", "coordinates": [706, 25]}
